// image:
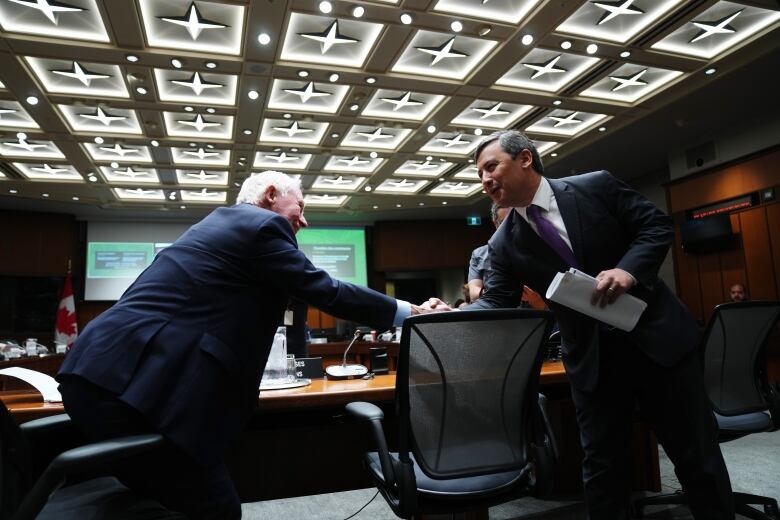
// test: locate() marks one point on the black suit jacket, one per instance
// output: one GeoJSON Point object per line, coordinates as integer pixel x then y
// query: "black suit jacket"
{"type": "Point", "coordinates": [609, 225]}
{"type": "Point", "coordinates": [187, 342]}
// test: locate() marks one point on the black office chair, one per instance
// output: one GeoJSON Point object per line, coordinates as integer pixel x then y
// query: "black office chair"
{"type": "Point", "coordinates": [471, 434]}
{"type": "Point", "coordinates": [35, 485]}
{"type": "Point", "coordinates": [735, 378]}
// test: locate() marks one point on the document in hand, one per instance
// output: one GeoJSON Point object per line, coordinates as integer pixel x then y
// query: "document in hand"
{"type": "Point", "coordinates": [574, 289]}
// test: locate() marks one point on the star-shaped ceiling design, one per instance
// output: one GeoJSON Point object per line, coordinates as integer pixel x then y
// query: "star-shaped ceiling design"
{"type": "Point", "coordinates": [148, 104]}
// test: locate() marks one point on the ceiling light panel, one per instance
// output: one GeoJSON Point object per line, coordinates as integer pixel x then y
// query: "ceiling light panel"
{"type": "Point", "coordinates": [616, 21]}
{"type": "Point", "coordinates": [469, 173]}
{"type": "Point", "coordinates": [202, 178]}
{"type": "Point", "coordinates": [399, 104]}
{"type": "Point", "coordinates": [2, 85]}
{"type": "Point", "coordinates": [442, 55]}
{"type": "Point", "coordinates": [566, 123]}
{"type": "Point", "coordinates": [424, 168]}
{"type": "Point", "coordinates": [130, 175]}
{"type": "Point", "coordinates": [717, 29]}
{"type": "Point", "coordinates": [286, 131]}
{"type": "Point", "coordinates": [306, 96]}
{"type": "Point", "coordinates": [80, 78]}
{"type": "Point", "coordinates": [547, 70]}
{"type": "Point", "coordinates": [283, 160]}
{"type": "Point", "coordinates": [491, 114]}
{"type": "Point", "coordinates": [119, 152]}
{"type": "Point", "coordinates": [72, 19]}
{"type": "Point", "coordinates": [631, 83]}
{"type": "Point", "coordinates": [203, 196]}
{"type": "Point", "coordinates": [200, 157]}
{"type": "Point", "coordinates": [196, 87]}
{"type": "Point", "coordinates": [402, 186]}
{"type": "Point", "coordinates": [456, 189]}
{"type": "Point", "coordinates": [543, 147]}
{"type": "Point", "coordinates": [49, 172]}
{"type": "Point", "coordinates": [324, 200]}
{"type": "Point", "coordinates": [452, 143]}
{"type": "Point", "coordinates": [101, 119]}
{"type": "Point", "coordinates": [352, 164]}
{"type": "Point", "coordinates": [139, 194]}
{"type": "Point", "coordinates": [511, 11]}
{"type": "Point", "coordinates": [348, 183]}
{"type": "Point", "coordinates": [296, 176]}
{"type": "Point", "coordinates": [326, 40]}
{"type": "Point", "coordinates": [23, 147]}
{"type": "Point", "coordinates": [209, 126]}
{"type": "Point", "coordinates": [12, 115]}
{"type": "Point", "coordinates": [193, 26]}
{"type": "Point", "coordinates": [374, 137]}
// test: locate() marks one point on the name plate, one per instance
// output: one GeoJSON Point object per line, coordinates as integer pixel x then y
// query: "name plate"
{"type": "Point", "coordinates": [309, 368]}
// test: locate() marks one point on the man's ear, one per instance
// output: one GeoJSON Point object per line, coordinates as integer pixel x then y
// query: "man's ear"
{"type": "Point", "coordinates": [525, 158]}
{"type": "Point", "coordinates": [268, 198]}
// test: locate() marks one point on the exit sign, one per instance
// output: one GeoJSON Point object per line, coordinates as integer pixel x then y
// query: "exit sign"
{"type": "Point", "coordinates": [473, 221]}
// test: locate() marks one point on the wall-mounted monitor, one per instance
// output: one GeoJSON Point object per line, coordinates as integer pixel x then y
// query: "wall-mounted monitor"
{"type": "Point", "coordinates": [707, 235]}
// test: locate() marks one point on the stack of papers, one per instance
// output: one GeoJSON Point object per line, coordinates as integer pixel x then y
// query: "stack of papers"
{"type": "Point", "coordinates": [44, 383]}
{"type": "Point", "coordinates": [574, 289]}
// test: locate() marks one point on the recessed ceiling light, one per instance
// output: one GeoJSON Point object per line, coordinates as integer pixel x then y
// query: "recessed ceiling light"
{"type": "Point", "coordinates": [303, 73]}
{"type": "Point", "coordinates": [183, 207]}
{"type": "Point", "coordinates": [189, 109]}
{"type": "Point", "coordinates": [247, 131]}
{"type": "Point", "coordinates": [527, 39]}
{"type": "Point", "coordinates": [371, 80]}
{"type": "Point", "coordinates": [373, 155]}
{"type": "Point", "coordinates": [333, 77]}
{"type": "Point", "coordinates": [477, 131]}
{"type": "Point", "coordinates": [293, 149]}
{"type": "Point", "coordinates": [592, 48]}
{"type": "Point", "coordinates": [554, 154]}
{"type": "Point", "coordinates": [287, 116]}
{"type": "Point", "coordinates": [45, 195]}
{"type": "Point", "coordinates": [253, 94]}
{"type": "Point", "coordinates": [210, 146]}
{"type": "Point", "coordinates": [132, 58]}
{"type": "Point", "coordinates": [211, 65]}
{"type": "Point", "coordinates": [471, 161]}
{"type": "Point", "coordinates": [406, 18]}
{"type": "Point", "coordinates": [114, 164]}
{"type": "Point", "coordinates": [444, 203]}
{"type": "Point", "coordinates": [22, 135]}
{"type": "Point", "coordinates": [141, 90]}
{"type": "Point", "coordinates": [397, 205]}
{"type": "Point", "coordinates": [428, 158]}
{"type": "Point", "coordinates": [334, 135]}
{"type": "Point", "coordinates": [565, 45]}
{"type": "Point", "coordinates": [192, 145]}
{"type": "Point", "coordinates": [155, 142]}
{"type": "Point", "coordinates": [421, 204]}
{"type": "Point", "coordinates": [557, 102]}
{"type": "Point", "coordinates": [354, 107]}
{"type": "Point", "coordinates": [710, 71]}
{"type": "Point", "coordinates": [75, 198]}
{"type": "Point", "coordinates": [12, 191]}
{"type": "Point", "coordinates": [456, 26]}
{"type": "Point", "coordinates": [92, 178]}
{"type": "Point", "coordinates": [485, 30]}
{"type": "Point", "coordinates": [32, 100]}
{"type": "Point", "coordinates": [602, 129]}
{"type": "Point", "coordinates": [358, 11]}
{"type": "Point", "coordinates": [176, 62]}
{"type": "Point", "coordinates": [263, 38]}
{"type": "Point", "coordinates": [625, 54]}
{"type": "Point", "coordinates": [367, 188]}
{"type": "Point", "coordinates": [211, 110]}
{"type": "Point", "coordinates": [375, 206]}
{"type": "Point", "coordinates": [326, 7]}
{"type": "Point", "coordinates": [172, 196]}
{"type": "Point", "coordinates": [431, 129]}
{"type": "Point", "coordinates": [99, 140]}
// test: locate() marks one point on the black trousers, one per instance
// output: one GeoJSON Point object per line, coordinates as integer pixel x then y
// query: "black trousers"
{"type": "Point", "coordinates": [168, 475]}
{"type": "Point", "coordinates": [674, 403]}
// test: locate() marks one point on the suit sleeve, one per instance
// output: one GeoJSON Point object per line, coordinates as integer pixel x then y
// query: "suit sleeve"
{"type": "Point", "coordinates": [650, 230]}
{"type": "Point", "coordinates": [279, 262]}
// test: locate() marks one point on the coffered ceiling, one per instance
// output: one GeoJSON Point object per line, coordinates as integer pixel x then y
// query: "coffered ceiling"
{"type": "Point", "coordinates": [152, 105]}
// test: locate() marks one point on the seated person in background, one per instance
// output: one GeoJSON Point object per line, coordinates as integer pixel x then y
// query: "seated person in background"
{"type": "Point", "coordinates": [480, 262]}
{"type": "Point", "coordinates": [182, 352]}
{"type": "Point", "coordinates": [737, 293]}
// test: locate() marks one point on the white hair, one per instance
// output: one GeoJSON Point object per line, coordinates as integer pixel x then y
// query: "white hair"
{"type": "Point", "coordinates": [254, 186]}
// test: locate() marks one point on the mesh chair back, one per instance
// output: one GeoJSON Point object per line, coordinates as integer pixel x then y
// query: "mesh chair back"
{"type": "Point", "coordinates": [466, 382]}
{"type": "Point", "coordinates": [733, 355]}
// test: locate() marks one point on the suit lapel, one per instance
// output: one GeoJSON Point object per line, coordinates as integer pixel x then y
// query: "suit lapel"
{"type": "Point", "coordinates": [567, 205]}
{"type": "Point", "coordinates": [527, 241]}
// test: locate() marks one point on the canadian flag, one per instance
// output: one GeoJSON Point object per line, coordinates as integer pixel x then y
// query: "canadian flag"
{"type": "Point", "coordinates": [66, 329]}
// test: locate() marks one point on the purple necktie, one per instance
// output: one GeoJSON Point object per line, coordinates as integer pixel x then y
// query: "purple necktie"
{"type": "Point", "coordinates": [550, 235]}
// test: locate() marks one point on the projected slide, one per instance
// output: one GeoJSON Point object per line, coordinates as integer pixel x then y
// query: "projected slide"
{"type": "Point", "coordinates": [118, 259]}
{"type": "Point", "coordinates": [339, 251]}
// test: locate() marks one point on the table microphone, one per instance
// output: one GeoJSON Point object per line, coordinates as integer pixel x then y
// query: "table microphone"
{"type": "Point", "coordinates": [343, 370]}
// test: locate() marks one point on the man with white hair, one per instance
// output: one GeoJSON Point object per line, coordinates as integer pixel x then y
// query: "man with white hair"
{"type": "Point", "coordinates": [182, 351]}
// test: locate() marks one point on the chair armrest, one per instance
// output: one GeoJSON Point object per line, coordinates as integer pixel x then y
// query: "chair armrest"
{"type": "Point", "coordinates": [372, 413]}
{"type": "Point", "coordinates": [44, 425]}
{"type": "Point", "coordinates": [78, 460]}
{"type": "Point", "coordinates": [542, 400]}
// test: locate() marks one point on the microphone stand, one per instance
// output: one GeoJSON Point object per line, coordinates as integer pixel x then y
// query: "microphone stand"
{"type": "Point", "coordinates": [343, 370]}
{"type": "Point", "coordinates": [354, 338]}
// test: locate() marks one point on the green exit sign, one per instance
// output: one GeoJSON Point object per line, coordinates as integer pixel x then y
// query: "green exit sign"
{"type": "Point", "coordinates": [473, 221]}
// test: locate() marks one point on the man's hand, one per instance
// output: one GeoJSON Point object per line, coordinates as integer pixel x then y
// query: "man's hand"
{"type": "Point", "coordinates": [432, 305]}
{"type": "Point", "coordinates": [611, 284]}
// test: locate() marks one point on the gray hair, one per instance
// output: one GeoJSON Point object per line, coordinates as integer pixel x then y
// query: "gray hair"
{"type": "Point", "coordinates": [512, 142]}
{"type": "Point", "coordinates": [254, 186]}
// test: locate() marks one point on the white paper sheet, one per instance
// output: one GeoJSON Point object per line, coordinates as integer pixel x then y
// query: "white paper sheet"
{"type": "Point", "coordinates": [45, 384]}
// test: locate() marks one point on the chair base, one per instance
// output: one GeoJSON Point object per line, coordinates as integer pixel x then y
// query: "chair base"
{"type": "Point", "coordinates": [743, 504]}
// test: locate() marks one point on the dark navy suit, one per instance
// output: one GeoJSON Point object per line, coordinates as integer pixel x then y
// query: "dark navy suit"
{"type": "Point", "coordinates": [187, 342]}
{"type": "Point", "coordinates": [610, 225]}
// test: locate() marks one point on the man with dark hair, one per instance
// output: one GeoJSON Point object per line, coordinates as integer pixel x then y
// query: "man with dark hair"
{"type": "Point", "coordinates": [599, 225]}
{"type": "Point", "coordinates": [479, 263]}
{"type": "Point", "coordinates": [737, 293]}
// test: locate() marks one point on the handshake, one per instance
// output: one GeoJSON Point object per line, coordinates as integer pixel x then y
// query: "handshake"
{"type": "Point", "coordinates": [432, 305]}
